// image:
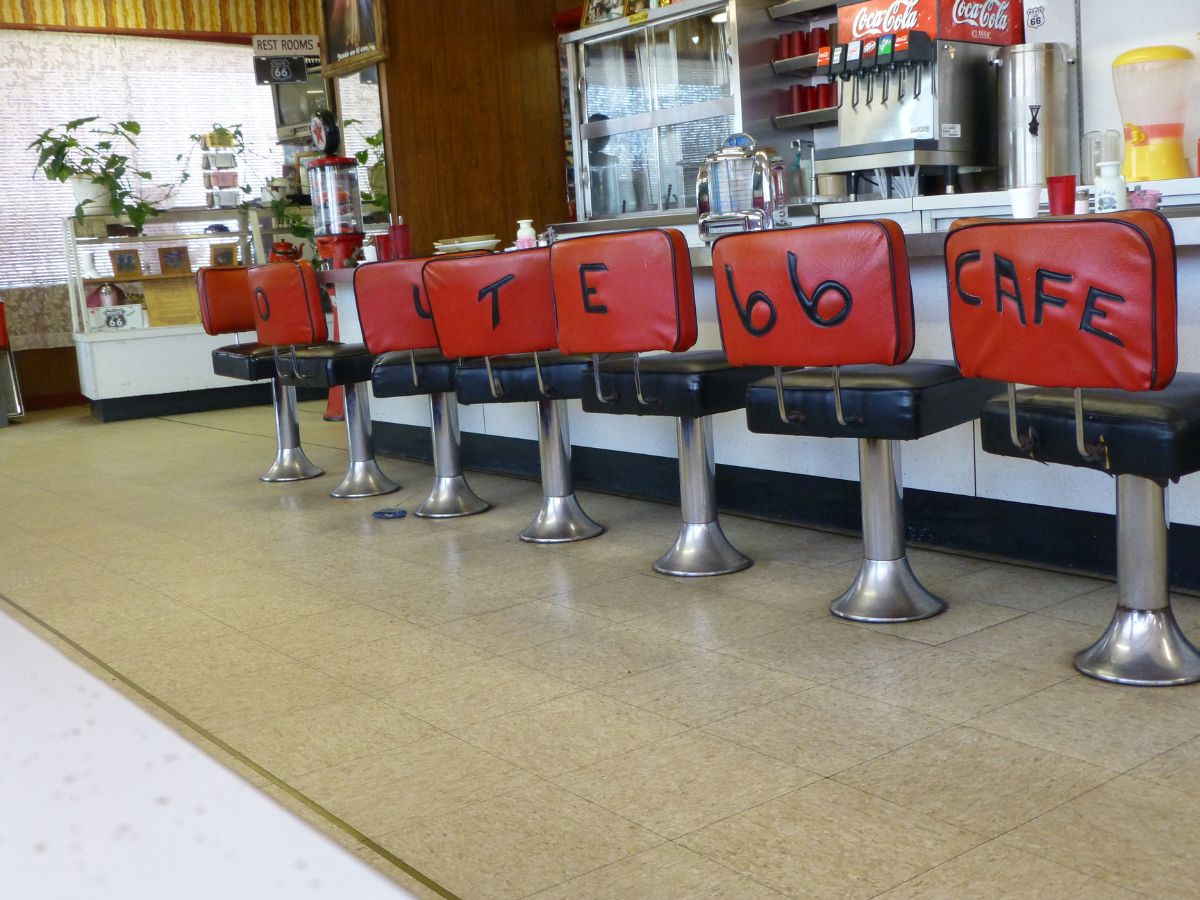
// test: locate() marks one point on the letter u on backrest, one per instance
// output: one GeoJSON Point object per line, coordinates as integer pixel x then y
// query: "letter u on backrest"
{"type": "Point", "coordinates": [624, 293]}
{"type": "Point", "coordinates": [492, 305]}
{"type": "Point", "coordinates": [1098, 292]}
{"type": "Point", "coordinates": [822, 295]}
{"type": "Point", "coordinates": [392, 308]}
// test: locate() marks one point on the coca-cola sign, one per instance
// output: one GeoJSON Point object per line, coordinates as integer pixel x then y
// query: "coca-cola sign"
{"type": "Point", "coordinates": [874, 19]}
{"type": "Point", "coordinates": [990, 14]}
{"type": "Point", "coordinates": [977, 21]}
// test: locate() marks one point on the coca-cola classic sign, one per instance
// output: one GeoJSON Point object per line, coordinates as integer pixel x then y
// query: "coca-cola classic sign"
{"type": "Point", "coordinates": [976, 21]}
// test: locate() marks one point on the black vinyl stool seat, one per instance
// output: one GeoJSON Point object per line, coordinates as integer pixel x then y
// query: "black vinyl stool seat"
{"type": "Point", "coordinates": [631, 293]}
{"type": "Point", "coordinates": [836, 299]}
{"type": "Point", "coordinates": [681, 385]}
{"type": "Point", "coordinates": [892, 403]}
{"type": "Point", "coordinates": [227, 307]}
{"type": "Point", "coordinates": [413, 373]}
{"type": "Point", "coordinates": [517, 375]}
{"type": "Point", "coordinates": [326, 365]}
{"type": "Point", "coordinates": [1153, 435]}
{"type": "Point", "coordinates": [1084, 311]}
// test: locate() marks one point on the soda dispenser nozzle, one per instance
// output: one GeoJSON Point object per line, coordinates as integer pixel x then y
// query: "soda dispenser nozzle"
{"type": "Point", "coordinates": [854, 68]}
{"type": "Point", "coordinates": [883, 60]}
{"type": "Point", "coordinates": [837, 69]}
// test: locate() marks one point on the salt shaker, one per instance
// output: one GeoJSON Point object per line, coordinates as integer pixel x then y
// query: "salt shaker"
{"type": "Point", "coordinates": [1082, 202]}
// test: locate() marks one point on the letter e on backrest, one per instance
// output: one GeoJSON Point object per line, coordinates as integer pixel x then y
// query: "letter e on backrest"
{"type": "Point", "coordinates": [624, 293]}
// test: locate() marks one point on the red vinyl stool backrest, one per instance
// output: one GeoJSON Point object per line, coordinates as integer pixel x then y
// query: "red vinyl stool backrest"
{"type": "Point", "coordinates": [226, 299]}
{"type": "Point", "coordinates": [624, 293]}
{"type": "Point", "coordinates": [492, 305]}
{"type": "Point", "coordinates": [822, 295]}
{"type": "Point", "coordinates": [392, 307]}
{"type": "Point", "coordinates": [1079, 302]}
{"type": "Point", "coordinates": [287, 304]}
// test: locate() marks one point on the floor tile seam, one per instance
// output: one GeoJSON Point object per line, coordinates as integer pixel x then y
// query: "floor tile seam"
{"type": "Point", "coordinates": [916, 648]}
{"type": "Point", "coordinates": [606, 865]}
{"type": "Point", "coordinates": [451, 731]}
{"type": "Point", "coordinates": [188, 725]}
{"type": "Point", "coordinates": [1041, 854]}
{"type": "Point", "coordinates": [702, 726]}
{"type": "Point", "coordinates": [1063, 753]}
{"type": "Point", "coordinates": [309, 441]}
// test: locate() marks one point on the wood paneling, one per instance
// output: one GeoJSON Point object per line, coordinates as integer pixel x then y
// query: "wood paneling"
{"type": "Point", "coordinates": [48, 377]}
{"type": "Point", "coordinates": [193, 17]}
{"type": "Point", "coordinates": [473, 118]}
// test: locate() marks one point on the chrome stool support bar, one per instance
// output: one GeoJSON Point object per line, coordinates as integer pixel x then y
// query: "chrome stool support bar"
{"type": "Point", "coordinates": [561, 518]}
{"type": "Point", "coordinates": [451, 495]}
{"type": "Point", "coordinates": [886, 590]}
{"type": "Point", "coordinates": [701, 547]}
{"type": "Point", "coordinates": [291, 463]}
{"type": "Point", "coordinates": [1143, 644]}
{"type": "Point", "coordinates": [363, 475]}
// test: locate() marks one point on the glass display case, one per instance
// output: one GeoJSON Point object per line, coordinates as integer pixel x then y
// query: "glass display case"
{"type": "Point", "coordinates": [653, 97]}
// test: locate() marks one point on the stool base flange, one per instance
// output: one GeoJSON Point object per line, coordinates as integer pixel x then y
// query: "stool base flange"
{"type": "Point", "coordinates": [291, 465]}
{"type": "Point", "coordinates": [561, 519]}
{"type": "Point", "coordinates": [700, 550]}
{"type": "Point", "coordinates": [886, 590]}
{"type": "Point", "coordinates": [364, 479]}
{"type": "Point", "coordinates": [1142, 647]}
{"type": "Point", "coordinates": [451, 497]}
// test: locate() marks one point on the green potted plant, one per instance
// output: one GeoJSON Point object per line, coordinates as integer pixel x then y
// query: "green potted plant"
{"type": "Point", "coordinates": [374, 159]}
{"type": "Point", "coordinates": [95, 160]}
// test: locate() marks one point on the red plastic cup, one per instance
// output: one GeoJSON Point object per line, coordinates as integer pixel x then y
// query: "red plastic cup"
{"type": "Point", "coordinates": [811, 98]}
{"type": "Point", "coordinates": [796, 98]}
{"type": "Point", "coordinates": [783, 47]}
{"type": "Point", "coordinates": [383, 247]}
{"type": "Point", "coordinates": [799, 43]}
{"type": "Point", "coordinates": [400, 238]}
{"type": "Point", "coordinates": [1061, 189]}
{"type": "Point", "coordinates": [817, 38]}
{"type": "Point", "coordinates": [825, 96]}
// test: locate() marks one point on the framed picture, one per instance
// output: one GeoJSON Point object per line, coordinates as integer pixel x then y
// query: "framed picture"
{"type": "Point", "coordinates": [223, 255]}
{"type": "Point", "coordinates": [353, 36]}
{"type": "Point", "coordinates": [174, 261]}
{"type": "Point", "coordinates": [596, 11]}
{"type": "Point", "coordinates": [125, 262]}
{"type": "Point", "coordinates": [637, 6]}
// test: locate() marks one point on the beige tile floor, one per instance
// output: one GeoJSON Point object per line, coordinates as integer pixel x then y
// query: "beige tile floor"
{"type": "Point", "coordinates": [504, 720]}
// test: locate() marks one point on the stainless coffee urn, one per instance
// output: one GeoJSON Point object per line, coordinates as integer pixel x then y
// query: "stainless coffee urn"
{"type": "Point", "coordinates": [1036, 104]}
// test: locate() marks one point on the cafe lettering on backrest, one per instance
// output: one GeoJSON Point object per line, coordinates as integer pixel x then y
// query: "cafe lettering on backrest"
{"type": "Point", "coordinates": [1085, 302]}
{"type": "Point", "coordinates": [1007, 291]}
{"type": "Point", "coordinates": [814, 296]}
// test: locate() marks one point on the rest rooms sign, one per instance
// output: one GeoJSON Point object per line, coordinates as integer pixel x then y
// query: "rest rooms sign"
{"type": "Point", "coordinates": [286, 45]}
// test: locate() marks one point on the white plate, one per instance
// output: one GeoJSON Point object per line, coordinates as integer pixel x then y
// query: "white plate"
{"type": "Point", "coordinates": [468, 245]}
{"type": "Point", "coordinates": [466, 239]}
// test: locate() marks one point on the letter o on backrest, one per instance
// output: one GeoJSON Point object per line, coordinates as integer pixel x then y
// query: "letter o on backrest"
{"type": "Point", "coordinates": [821, 295]}
{"type": "Point", "coordinates": [287, 304]}
{"type": "Point", "coordinates": [1084, 302]}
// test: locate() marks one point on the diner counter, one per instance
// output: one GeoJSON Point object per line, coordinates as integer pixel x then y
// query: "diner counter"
{"type": "Point", "coordinates": [951, 462]}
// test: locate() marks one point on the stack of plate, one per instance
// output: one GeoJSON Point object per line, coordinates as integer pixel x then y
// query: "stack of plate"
{"type": "Point", "coordinates": [471, 242]}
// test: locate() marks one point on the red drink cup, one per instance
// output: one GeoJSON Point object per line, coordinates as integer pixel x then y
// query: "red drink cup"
{"type": "Point", "coordinates": [796, 97]}
{"type": "Point", "coordinates": [811, 97]}
{"type": "Point", "coordinates": [825, 98]}
{"type": "Point", "coordinates": [783, 47]}
{"type": "Point", "coordinates": [1061, 189]}
{"type": "Point", "coordinates": [799, 43]}
{"type": "Point", "coordinates": [400, 245]}
{"type": "Point", "coordinates": [383, 247]}
{"type": "Point", "coordinates": [818, 38]}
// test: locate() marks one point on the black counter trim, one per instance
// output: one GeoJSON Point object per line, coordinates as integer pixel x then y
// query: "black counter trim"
{"type": "Point", "coordinates": [147, 406]}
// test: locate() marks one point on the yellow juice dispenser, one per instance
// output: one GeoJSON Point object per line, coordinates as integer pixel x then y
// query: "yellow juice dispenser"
{"type": "Point", "coordinates": [1153, 85]}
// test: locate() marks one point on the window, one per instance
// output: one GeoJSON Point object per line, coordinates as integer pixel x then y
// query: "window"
{"type": "Point", "coordinates": [173, 88]}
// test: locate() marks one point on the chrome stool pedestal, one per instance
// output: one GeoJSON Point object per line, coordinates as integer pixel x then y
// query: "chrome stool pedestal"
{"type": "Point", "coordinates": [561, 518]}
{"type": "Point", "coordinates": [451, 495]}
{"type": "Point", "coordinates": [290, 463]}
{"type": "Point", "coordinates": [363, 475]}
{"type": "Point", "coordinates": [1143, 644]}
{"type": "Point", "coordinates": [886, 590]}
{"type": "Point", "coordinates": [701, 547]}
